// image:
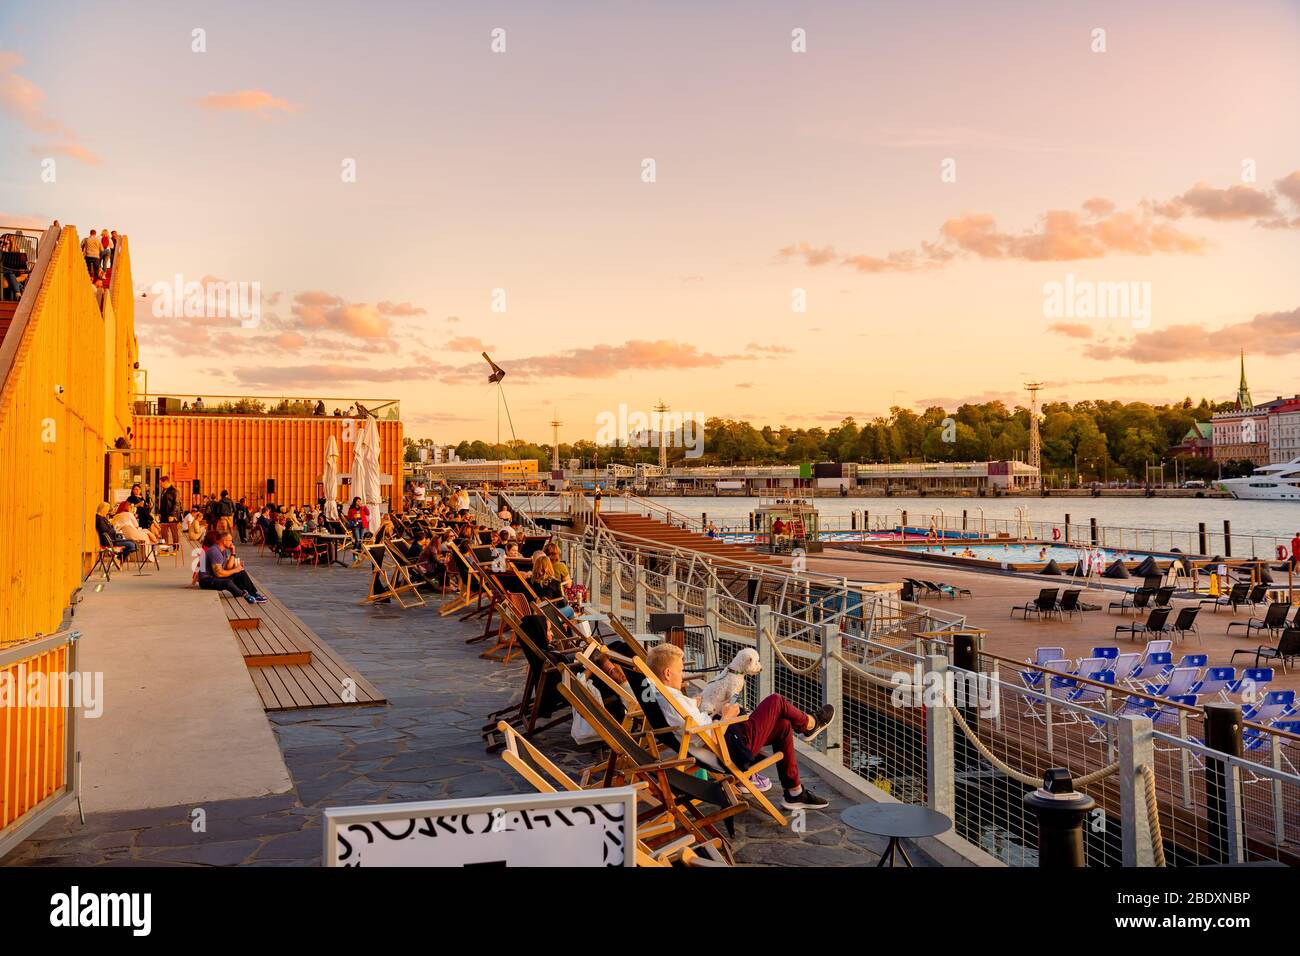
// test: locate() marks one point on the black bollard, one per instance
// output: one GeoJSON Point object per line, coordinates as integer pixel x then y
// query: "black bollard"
{"type": "Point", "coordinates": [1200, 533]}
{"type": "Point", "coordinates": [1092, 524]}
{"type": "Point", "coordinates": [965, 659]}
{"type": "Point", "coordinates": [1060, 812]}
{"type": "Point", "coordinates": [1067, 529]}
{"type": "Point", "coordinates": [1227, 538]}
{"type": "Point", "coordinates": [1222, 733]}
{"type": "Point", "coordinates": [963, 519]}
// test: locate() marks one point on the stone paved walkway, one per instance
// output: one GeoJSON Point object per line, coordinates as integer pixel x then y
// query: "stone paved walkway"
{"type": "Point", "coordinates": [424, 745]}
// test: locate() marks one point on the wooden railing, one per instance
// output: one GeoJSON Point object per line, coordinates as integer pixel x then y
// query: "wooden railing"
{"type": "Point", "coordinates": [37, 734]}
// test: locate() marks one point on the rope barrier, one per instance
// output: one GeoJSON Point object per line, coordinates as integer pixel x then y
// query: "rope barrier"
{"type": "Point", "coordinates": [1153, 813]}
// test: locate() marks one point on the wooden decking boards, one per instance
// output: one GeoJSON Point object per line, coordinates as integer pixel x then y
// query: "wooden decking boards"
{"type": "Point", "coordinates": [291, 667]}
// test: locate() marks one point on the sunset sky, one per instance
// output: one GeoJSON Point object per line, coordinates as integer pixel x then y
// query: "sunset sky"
{"type": "Point", "coordinates": [775, 171]}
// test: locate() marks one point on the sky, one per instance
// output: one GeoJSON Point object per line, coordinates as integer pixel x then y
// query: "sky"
{"type": "Point", "coordinates": [778, 211]}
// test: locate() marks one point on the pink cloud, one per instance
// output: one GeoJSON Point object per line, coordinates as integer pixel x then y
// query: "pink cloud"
{"type": "Point", "coordinates": [258, 102]}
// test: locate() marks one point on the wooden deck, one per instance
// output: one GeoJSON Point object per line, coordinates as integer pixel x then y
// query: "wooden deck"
{"type": "Point", "coordinates": [291, 667]}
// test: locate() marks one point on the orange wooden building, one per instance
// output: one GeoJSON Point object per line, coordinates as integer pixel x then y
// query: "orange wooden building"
{"type": "Point", "coordinates": [268, 459]}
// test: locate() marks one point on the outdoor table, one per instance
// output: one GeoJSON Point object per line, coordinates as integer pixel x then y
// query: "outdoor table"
{"type": "Point", "coordinates": [898, 821]}
{"type": "Point", "coordinates": [595, 618]}
{"type": "Point", "coordinates": [332, 542]}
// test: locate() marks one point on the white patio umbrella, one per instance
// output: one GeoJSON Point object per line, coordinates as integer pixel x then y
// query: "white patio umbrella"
{"type": "Point", "coordinates": [365, 466]}
{"type": "Point", "coordinates": [331, 479]}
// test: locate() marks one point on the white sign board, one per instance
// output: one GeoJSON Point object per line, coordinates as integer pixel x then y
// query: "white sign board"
{"type": "Point", "coordinates": [577, 828]}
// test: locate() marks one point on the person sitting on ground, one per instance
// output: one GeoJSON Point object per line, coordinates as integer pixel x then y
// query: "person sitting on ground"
{"type": "Point", "coordinates": [773, 723]}
{"type": "Point", "coordinates": [221, 570]}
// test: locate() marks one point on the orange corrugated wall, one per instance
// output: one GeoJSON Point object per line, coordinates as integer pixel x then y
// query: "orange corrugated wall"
{"type": "Point", "coordinates": [238, 453]}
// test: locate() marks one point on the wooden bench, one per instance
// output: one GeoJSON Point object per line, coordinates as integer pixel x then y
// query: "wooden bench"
{"type": "Point", "coordinates": [263, 642]}
{"type": "Point", "coordinates": [291, 667]}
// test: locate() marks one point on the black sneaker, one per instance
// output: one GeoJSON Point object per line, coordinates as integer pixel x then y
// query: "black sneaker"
{"type": "Point", "coordinates": [807, 800]}
{"type": "Point", "coordinates": [822, 720]}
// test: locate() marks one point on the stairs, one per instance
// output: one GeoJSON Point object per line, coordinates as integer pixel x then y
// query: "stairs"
{"type": "Point", "coordinates": [639, 526]}
{"type": "Point", "coordinates": [7, 310]}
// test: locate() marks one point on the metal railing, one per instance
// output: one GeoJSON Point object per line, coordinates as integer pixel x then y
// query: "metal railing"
{"type": "Point", "coordinates": [972, 743]}
{"type": "Point", "coordinates": [281, 406]}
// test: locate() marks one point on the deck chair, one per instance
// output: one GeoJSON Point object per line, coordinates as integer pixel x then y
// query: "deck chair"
{"type": "Point", "coordinates": [1274, 620]}
{"type": "Point", "coordinates": [1183, 680]}
{"type": "Point", "coordinates": [1155, 624]}
{"type": "Point", "coordinates": [1124, 665]}
{"type": "Point", "coordinates": [626, 636]}
{"type": "Point", "coordinates": [540, 705]}
{"type": "Point", "coordinates": [386, 585]}
{"type": "Point", "coordinates": [1163, 596]}
{"type": "Point", "coordinates": [1185, 622]}
{"type": "Point", "coordinates": [1137, 601]}
{"type": "Point", "coordinates": [713, 738]}
{"type": "Point", "coordinates": [1254, 682]}
{"type": "Point", "coordinates": [669, 776]}
{"type": "Point", "coordinates": [946, 590]}
{"type": "Point", "coordinates": [1153, 666]}
{"type": "Point", "coordinates": [1218, 682]}
{"type": "Point", "coordinates": [1069, 603]}
{"type": "Point", "coordinates": [1275, 705]}
{"type": "Point", "coordinates": [1286, 649]}
{"type": "Point", "coordinates": [1235, 597]}
{"type": "Point", "coordinates": [469, 577]}
{"type": "Point", "coordinates": [662, 827]}
{"type": "Point", "coordinates": [1045, 603]}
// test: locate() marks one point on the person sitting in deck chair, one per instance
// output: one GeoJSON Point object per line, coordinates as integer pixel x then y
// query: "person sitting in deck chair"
{"type": "Point", "coordinates": [772, 724]}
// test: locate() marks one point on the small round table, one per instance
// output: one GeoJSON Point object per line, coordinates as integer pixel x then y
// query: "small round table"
{"type": "Point", "coordinates": [898, 821]}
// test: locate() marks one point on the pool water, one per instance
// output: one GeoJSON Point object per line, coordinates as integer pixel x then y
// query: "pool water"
{"type": "Point", "coordinates": [1023, 553]}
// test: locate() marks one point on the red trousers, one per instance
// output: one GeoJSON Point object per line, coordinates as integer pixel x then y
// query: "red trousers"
{"type": "Point", "coordinates": [773, 723]}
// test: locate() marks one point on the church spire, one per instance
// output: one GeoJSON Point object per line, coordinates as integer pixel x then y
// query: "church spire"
{"type": "Point", "coordinates": [1243, 390]}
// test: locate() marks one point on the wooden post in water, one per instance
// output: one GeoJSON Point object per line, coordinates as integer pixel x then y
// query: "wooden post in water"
{"type": "Point", "coordinates": [1067, 529]}
{"type": "Point", "coordinates": [1201, 542]}
{"type": "Point", "coordinates": [1227, 538]}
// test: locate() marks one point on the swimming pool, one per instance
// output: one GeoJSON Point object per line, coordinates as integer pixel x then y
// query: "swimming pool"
{"type": "Point", "coordinates": [1018, 553]}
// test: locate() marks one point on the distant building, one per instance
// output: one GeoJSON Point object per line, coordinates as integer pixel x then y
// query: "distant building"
{"type": "Point", "coordinates": [1284, 431]}
{"type": "Point", "coordinates": [1242, 434]}
{"type": "Point", "coordinates": [476, 470]}
{"type": "Point", "coordinates": [1197, 443]}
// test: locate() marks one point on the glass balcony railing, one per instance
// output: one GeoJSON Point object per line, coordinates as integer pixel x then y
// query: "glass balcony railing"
{"type": "Point", "coordinates": [384, 409]}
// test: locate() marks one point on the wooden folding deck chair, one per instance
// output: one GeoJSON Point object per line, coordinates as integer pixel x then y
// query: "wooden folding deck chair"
{"type": "Point", "coordinates": [670, 838]}
{"type": "Point", "coordinates": [384, 586]}
{"type": "Point", "coordinates": [469, 582]}
{"type": "Point", "coordinates": [713, 737]}
{"type": "Point", "coordinates": [541, 680]}
{"type": "Point", "coordinates": [670, 779]}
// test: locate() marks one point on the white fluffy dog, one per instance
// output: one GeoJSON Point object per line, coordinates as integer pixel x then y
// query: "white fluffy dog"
{"type": "Point", "coordinates": [730, 683]}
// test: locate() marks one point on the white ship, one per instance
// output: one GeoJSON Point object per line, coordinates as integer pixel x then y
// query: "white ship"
{"type": "Point", "coordinates": [1267, 483]}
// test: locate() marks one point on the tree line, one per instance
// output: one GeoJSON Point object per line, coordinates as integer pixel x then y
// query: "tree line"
{"type": "Point", "coordinates": [1094, 440]}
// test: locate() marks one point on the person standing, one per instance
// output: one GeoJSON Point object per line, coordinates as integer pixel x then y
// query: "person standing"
{"type": "Point", "coordinates": [105, 252]}
{"type": "Point", "coordinates": [241, 520]}
{"type": "Point", "coordinates": [90, 249]}
{"type": "Point", "coordinates": [169, 511]}
{"type": "Point", "coordinates": [1295, 548]}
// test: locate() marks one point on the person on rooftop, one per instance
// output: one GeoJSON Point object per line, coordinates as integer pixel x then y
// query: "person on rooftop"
{"type": "Point", "coordinates": [90, 250]}
{"type": "Point", "coordinates": [105, 251]}
{"type": "Point", "coordinates": [198, 403]}
{"type": "Point", "coordinates": [773, 723]}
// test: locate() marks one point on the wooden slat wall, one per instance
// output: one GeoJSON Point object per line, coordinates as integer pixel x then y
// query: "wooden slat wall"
{"type": "Point", "coordinates": [52, 444]}
{"type": "Point", "coordinates": [238, 453]}
{"type": "Point", "coordinates": [32, 758]}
